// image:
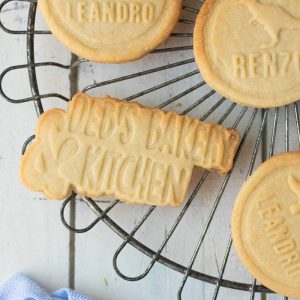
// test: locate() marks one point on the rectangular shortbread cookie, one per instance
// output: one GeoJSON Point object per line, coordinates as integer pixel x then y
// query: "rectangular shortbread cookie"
{"type": "Point", "coordinates": [115, 148]}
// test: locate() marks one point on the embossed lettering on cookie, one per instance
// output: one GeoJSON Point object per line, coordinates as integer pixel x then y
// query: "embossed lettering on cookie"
{"type": "Point", "coordinates": [249, 50]}
{"type": "Point", "coordinates": [266, 224]}
{"type": "Point", "coordinates": [115, 148]}
{"type": "Point", "coordinates": [111, 31]}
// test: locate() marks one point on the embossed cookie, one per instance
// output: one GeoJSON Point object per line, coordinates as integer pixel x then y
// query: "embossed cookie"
{"type": "Point", "coordinates": [266, 224]}
{"type": "Point", "coordinates": [113, 31]}
{"type": "Point", "coordinates": [249, 50]}
{"type": "Point", "coordinates": [110, 147]}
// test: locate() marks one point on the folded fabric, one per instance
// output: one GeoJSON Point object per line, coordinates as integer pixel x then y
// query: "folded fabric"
{"type": "Point", "coordinates": [20, 287]}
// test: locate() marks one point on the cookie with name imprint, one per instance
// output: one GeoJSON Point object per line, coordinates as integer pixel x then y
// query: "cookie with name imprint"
{"type": "Point", "coordinates": [113, 31]}
{"type": "Point", "coordinates": [266, 224]}
{"type": "Point", "coordinates": [249, 50]}
{"type": "Point", "coordinates": [115, 148]}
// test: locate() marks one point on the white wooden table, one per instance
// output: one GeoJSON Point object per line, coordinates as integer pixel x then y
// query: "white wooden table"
{"type": "Point", "coordinates": [32, 238]}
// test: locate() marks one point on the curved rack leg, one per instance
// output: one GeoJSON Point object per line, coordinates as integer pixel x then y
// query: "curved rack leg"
{"type": "Point", "coordinates": [34, 97]}
{"type": "Point", "coordinates": [132, 233]}
{"type": "Point", "coordinates": [91, 204]}
{"type": "Point", "coordinates": [26, 143]}
{"type": "Point", "coordinates": [7, 30]}
{"type": "Point", "coordinates": [30, 58]}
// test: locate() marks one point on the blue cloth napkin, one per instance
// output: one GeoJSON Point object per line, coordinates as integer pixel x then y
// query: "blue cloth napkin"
{"type": "Point", "coordinates": [20, 287]}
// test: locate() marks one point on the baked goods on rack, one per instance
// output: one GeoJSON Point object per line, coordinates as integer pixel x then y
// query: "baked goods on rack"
{"type": "Point", "coordinates": [111, 31]}
{"type": "Point", "coordinates": [249, 50]}
{"type": "Point", "coordinates": [111, 147]}
{"type": "Point", "coordinates": [266, 224]}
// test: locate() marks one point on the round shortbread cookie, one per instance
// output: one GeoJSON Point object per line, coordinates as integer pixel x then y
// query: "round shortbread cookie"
{"type": "Point", "coordinates": [266, 224]}
{"type": "Point", "coordinates": [112, 31]}
{"type": "Point", "coordinates": [249, 50]}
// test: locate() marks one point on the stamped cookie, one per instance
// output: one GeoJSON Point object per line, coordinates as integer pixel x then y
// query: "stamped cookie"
{"type": "Point", "coordinates": [266, 224]}
{"type": "Point", "coordinates": [249, 50]}
{"type": "Point", "coordinates": [113, 31]}
{"type": "Point", "coordinates": [111, 147]}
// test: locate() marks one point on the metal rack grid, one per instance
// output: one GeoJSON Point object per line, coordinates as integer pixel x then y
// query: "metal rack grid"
{"type": "Point", "coordinates": [264, 117]}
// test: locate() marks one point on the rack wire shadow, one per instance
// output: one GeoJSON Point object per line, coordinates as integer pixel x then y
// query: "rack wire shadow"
{"type": "Point", "coordinates": [248, 115]}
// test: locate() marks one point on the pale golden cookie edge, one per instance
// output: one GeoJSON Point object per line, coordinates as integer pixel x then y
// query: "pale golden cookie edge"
{"type": "Point", "coordinates": [266, 168]}
{"type": "Point", "coordinates": [25, 158]}
{"type": "Point", "coordinates": [214, 81]}
{"type": "Point", "coordinates": [82, 51]}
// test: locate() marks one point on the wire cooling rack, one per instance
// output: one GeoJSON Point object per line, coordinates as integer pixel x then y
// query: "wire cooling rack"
{"type": "Point", "coordinates": [273, 129]}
